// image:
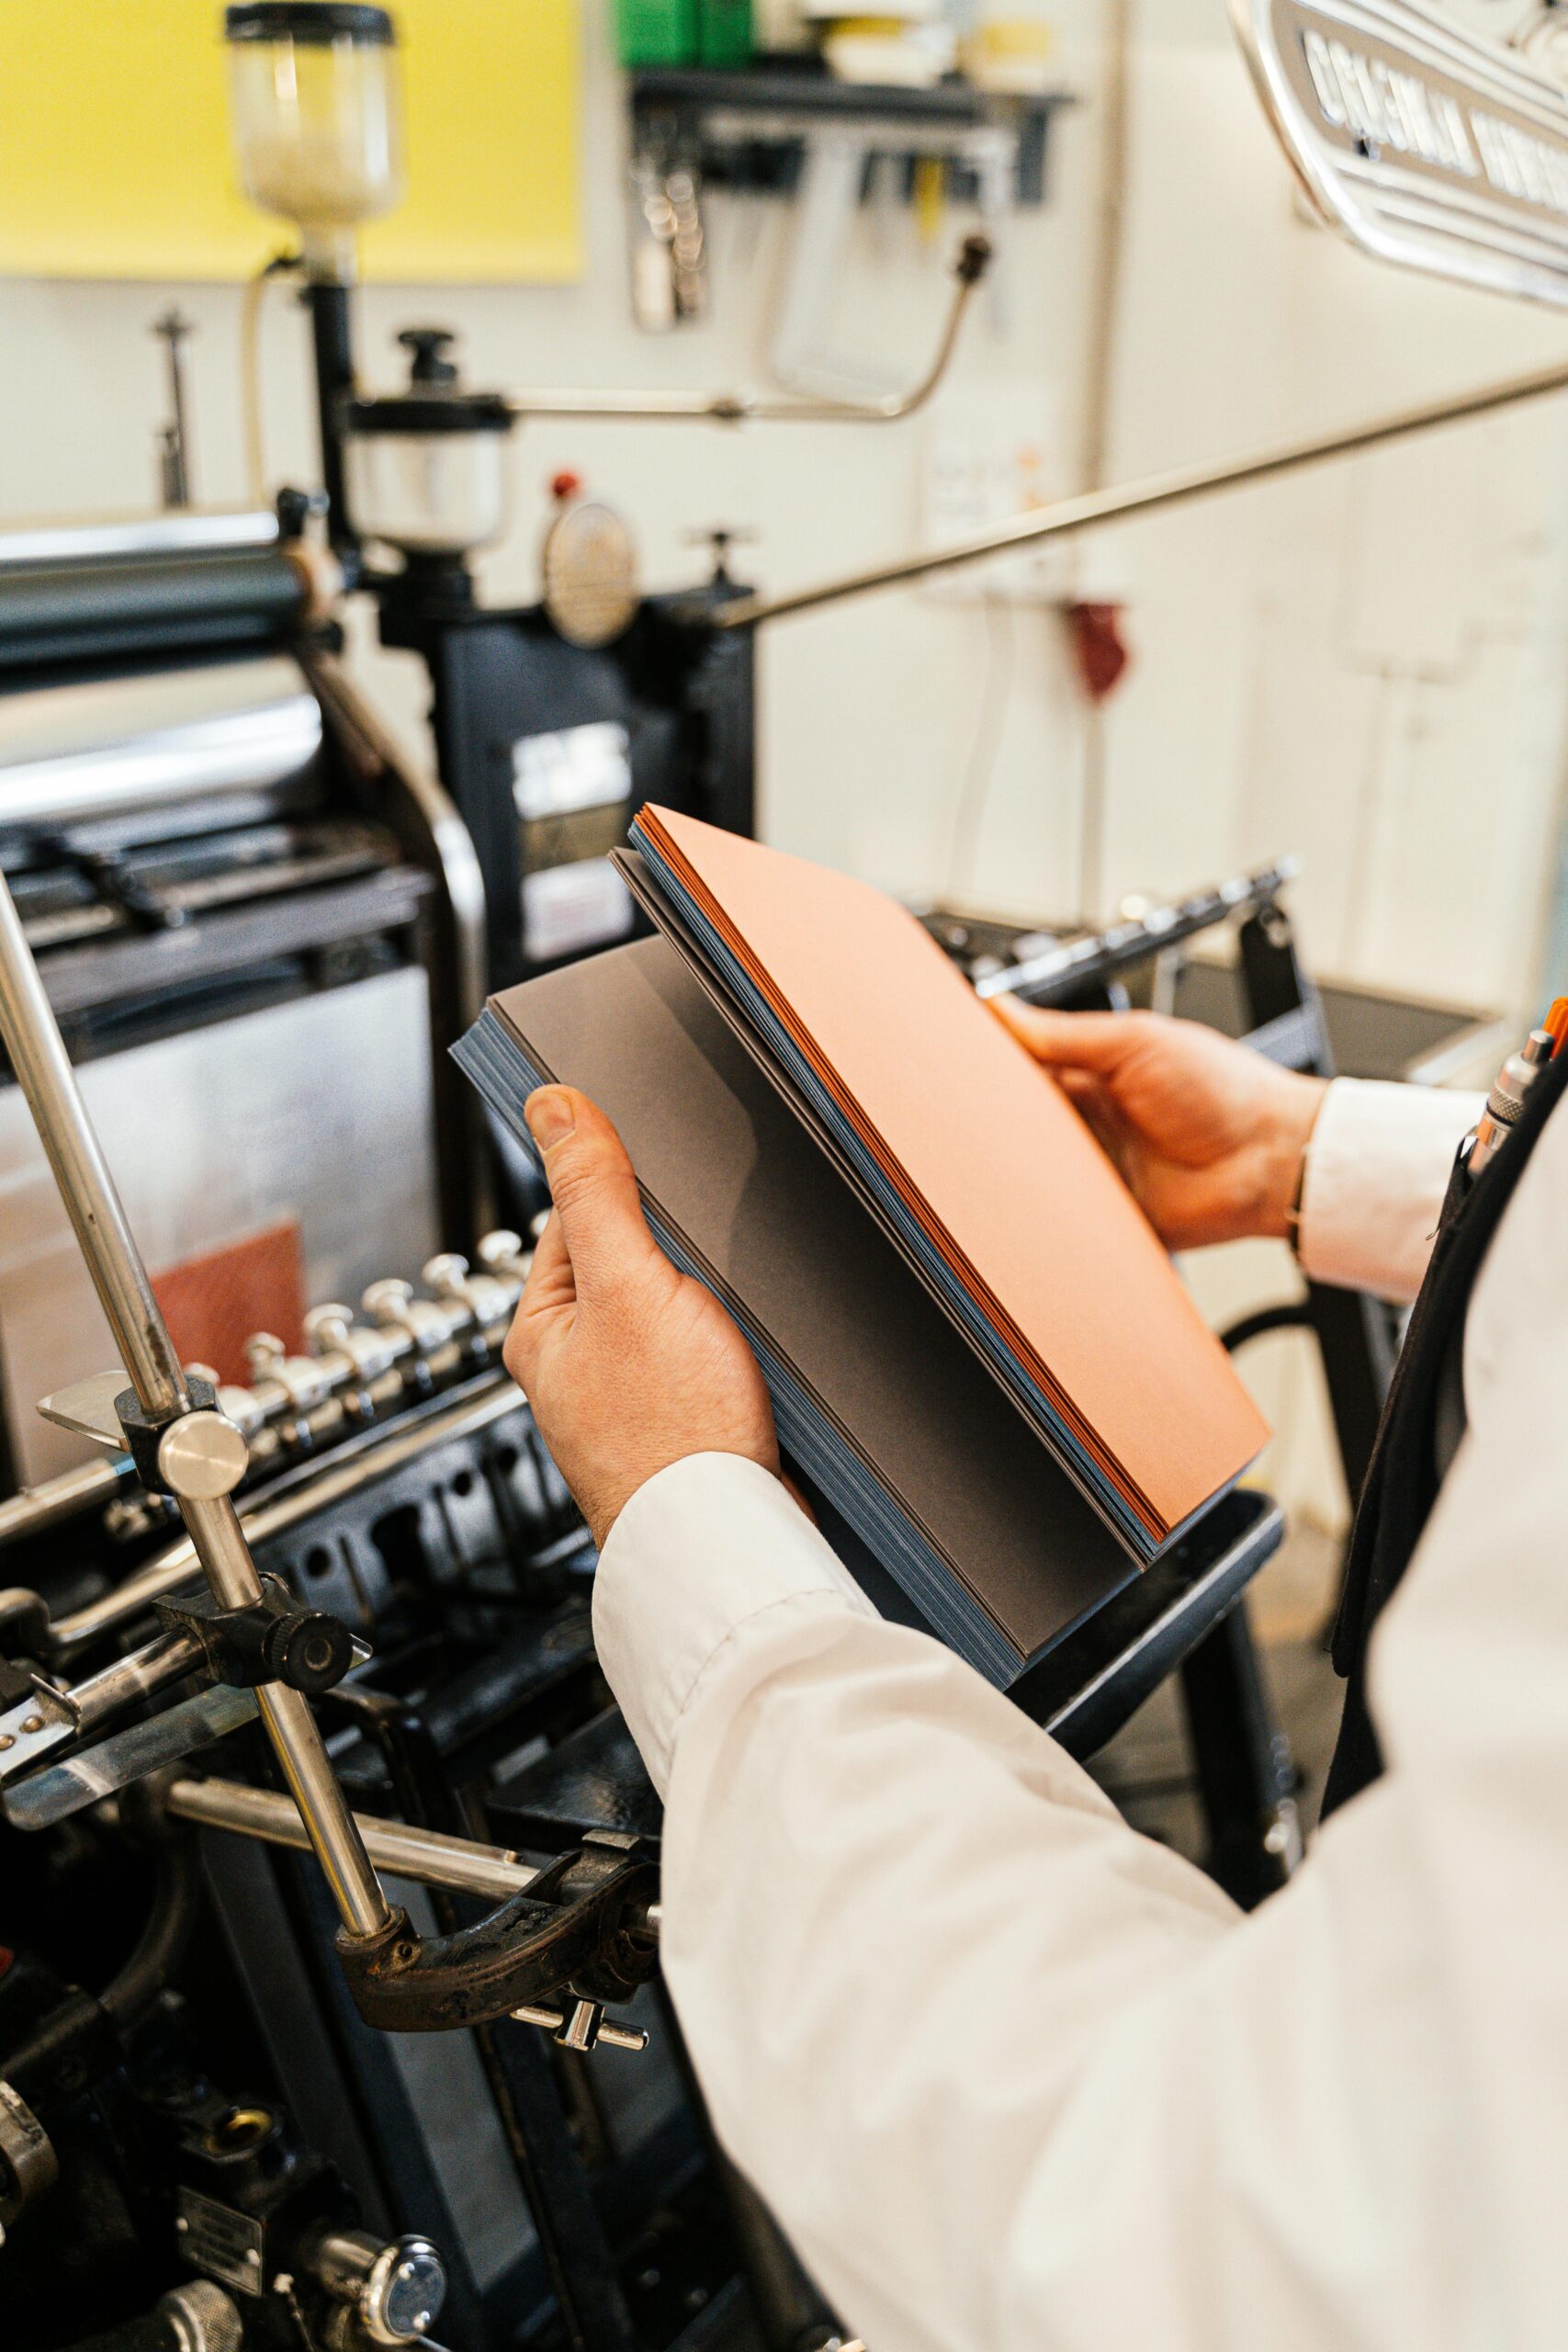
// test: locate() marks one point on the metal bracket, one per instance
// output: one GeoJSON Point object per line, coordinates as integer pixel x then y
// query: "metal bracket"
{"type": "Point", "coordinates": [87, 1408]}
{"type": "Point", "coordinates": [35, 1719]}
{"type": "Point", "coordinates": [86, 1778]}
{"type": "Point", "coordinates": [268, 1640]}
{"type": "Point", "coordinates": [194, 1452]}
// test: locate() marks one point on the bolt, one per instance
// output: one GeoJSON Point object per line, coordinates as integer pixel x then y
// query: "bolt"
{"type": "Point", "coordinates": [33, 1722]}
{"type": "Point", "coordinates": [181, 2224]}
{"type": "Point", "coordinates": [5, 1741]}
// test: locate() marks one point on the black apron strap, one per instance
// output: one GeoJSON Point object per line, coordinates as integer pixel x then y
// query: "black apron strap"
{"type": "Point", "coordinates": [1405, 1474]}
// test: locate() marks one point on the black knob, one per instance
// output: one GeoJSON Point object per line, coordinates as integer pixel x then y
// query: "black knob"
{"type": "Point", "coordinates": [309, 1649]}
{"type": "Point", "coordinates": [295, 508]}
{"type": "Point", "coordinates": [429, 346]}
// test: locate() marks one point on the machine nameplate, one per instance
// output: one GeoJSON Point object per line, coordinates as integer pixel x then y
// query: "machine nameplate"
{"type": "Point", "coordinates": [1425, 143]}
{"type": "Point", "coordinates": [226, 2244]}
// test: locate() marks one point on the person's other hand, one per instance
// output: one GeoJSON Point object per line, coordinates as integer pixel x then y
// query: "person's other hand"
{"type": "Point", "coordinates": [1207, 1135]}
{"type": "Point", "coordinates": [627, 1364]}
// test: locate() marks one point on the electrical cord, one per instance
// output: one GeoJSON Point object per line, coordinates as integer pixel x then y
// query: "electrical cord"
{"type": "Point", "coordinates": [1292, 1317]}
{"type": "Point", "coordinates": [995, 693]}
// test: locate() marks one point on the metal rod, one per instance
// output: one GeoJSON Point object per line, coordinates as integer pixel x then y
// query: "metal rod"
{"type": "Point", "coordinates": [32, 1040]}
{"type": "Point", "coordinates": [158, 1662]}
{"type": "Point", "coordinates": [37, 1056]}
{"type": "Point", "coordinates": [428, 1855]}
{"type": "Point", "coordinates": [751, 408]}
{"type": "Point", "coordinates": [1145, 497]}
{"type": "Point", "coordinates": [38, 1509]}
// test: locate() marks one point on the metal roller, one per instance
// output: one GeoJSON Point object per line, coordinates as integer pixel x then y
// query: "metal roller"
{"type": "Point", "coordinates": [109, 747]}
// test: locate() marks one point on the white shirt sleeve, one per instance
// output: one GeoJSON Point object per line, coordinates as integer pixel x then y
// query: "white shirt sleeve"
{"type": "Point", "coordinates": [1377, 1167]}
{"type": "Point", "coordinates": [1017, 2080]}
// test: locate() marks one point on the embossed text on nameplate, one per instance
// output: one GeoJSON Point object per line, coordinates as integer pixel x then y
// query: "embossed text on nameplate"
{"type": "Point", "coordinates": [1423, 142]}
{"type": "Point", "coordinates": [227, 2244]}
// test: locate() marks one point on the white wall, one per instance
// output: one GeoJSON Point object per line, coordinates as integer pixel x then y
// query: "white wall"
{"type": "Point", "coordinates": [1363, 664]}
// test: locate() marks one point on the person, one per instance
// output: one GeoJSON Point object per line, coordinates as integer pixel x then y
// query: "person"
{"type": "Point", "coordinates": [1013, 2078]}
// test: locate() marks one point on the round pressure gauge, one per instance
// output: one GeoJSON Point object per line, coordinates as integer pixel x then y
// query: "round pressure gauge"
{"type": "Point", "coordinates": [591, 587]}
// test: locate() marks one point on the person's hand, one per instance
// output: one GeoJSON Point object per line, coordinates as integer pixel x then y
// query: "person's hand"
{"type": "Point", "coordinates": [1207, 1135]}
{"type": "Point", "coordinates": [627, 1364]}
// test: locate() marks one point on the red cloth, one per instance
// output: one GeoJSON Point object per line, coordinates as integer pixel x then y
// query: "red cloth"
{"type": "Point", "coordinates": [1098, 648]}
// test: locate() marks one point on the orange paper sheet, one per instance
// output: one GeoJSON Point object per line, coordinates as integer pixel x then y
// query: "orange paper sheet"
{"type": "Point", "coordinates": [1007, 1182]}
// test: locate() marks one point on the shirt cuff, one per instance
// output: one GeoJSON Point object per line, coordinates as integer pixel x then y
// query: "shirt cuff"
{"type": "Point", "coordinates": [1377, 1167]}
{"type": "Point", "coordinates": [705, 1545]}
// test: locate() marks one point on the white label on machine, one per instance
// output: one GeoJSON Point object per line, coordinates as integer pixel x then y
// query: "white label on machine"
{"type": "Point", "coordinates": [579, 767]}
{"type": "Point", "coordinates": [567, 909]}
{"type": "Point", "coordinates": [995, 456]}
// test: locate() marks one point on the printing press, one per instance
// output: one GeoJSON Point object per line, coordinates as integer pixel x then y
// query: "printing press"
{"type": "Point", "coordinates": [329, 1999]}
{"type": "Point", "coordinates": [432, 2090]}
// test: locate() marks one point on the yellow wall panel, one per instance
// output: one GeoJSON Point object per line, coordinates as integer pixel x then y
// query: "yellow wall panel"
{"type": "Point", "coordinates": [114, 159]}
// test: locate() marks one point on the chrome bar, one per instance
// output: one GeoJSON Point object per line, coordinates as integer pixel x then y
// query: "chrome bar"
{"type": "Point", "coordinates": [161, 1660]}
{"type": "Point", "coordinates": [104, 748]}
{"type": "Point", "coordinates": [111, 538]}
{"type": "Point", "coordinates": [37, 1056]}
{"type": "Point", "coordinates": [38, 1509]}
{"type": "Point", "coordinates": [42, 1068]}
{"type": "Point", "coordinates": [332, 1830]}
{"type": "Point", "coordinates": [1173, 489]}
{"type": "Point", "coordinates": [427, 1855]}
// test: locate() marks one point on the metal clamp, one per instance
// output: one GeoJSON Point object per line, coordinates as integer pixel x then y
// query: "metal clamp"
{"type": "Point", "coordinates": [28, 2162]}
{"type": "Point", "coordinates": [271, 1639]}
{"type": "Point", "coordinates": [197, 1452]}
{"type": "Point", "coordinates": [583, 1924]}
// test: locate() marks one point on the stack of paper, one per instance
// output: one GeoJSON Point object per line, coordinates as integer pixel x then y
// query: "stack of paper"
{"type": "Point", "coordinates": [953, 1298]}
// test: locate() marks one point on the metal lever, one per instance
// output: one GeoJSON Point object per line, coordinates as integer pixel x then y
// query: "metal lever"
{"type": "Point", "coordinates": [159, 1389]}
{"type": "Point", "coordinates": [584, 2027]}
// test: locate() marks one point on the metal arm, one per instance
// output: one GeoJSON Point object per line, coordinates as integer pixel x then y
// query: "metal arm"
{"type": "Point", "coordinates": [751, 408]}
{"type": "Point", "coordinates": [1174, 489]}
{"type": "Point", "coordinates": [32, 1040]}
